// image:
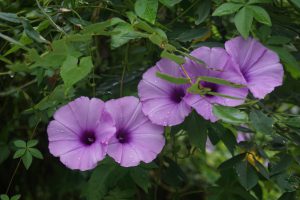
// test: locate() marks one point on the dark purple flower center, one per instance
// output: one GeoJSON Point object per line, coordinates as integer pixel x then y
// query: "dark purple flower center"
{"type": "Point", "coordinates": [177, 94]}
{"type": "Point", "coordinates": [123, 136]}
{"type": "Point", "coordinates": [212, 86]}
{"type": "Point", "coordinates": [88, 137]}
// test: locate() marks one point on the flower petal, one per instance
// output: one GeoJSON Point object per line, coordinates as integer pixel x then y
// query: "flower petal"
{"type": "Point", "coordinates": [202, 106]}
{"type": "Point", "coordinates": [259, 65]}
{"type": "Point", "coordinates": [157, 95]}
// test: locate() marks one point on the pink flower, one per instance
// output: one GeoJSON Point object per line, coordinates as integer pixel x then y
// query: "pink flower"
{"type": "Point", "coordinates": [259, 66]}
{"type": "Point", "coordinates": [136, 138]}
{"type": "Point", "coordinates": [218, 65]}
{"type": "Point", "coordinates": [80, 132]}
{"type": "Point", "coordinates": [162, 101]}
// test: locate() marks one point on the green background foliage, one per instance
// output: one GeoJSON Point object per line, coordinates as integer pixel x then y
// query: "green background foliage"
{"type": "Point", "coordinates": [52, 51]}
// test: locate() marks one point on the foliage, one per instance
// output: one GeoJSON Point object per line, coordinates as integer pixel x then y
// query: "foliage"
{"type": "Point", "coordinates": [52, 51]}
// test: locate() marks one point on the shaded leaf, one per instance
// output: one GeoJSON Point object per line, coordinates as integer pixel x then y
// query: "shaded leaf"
{"type": "Point", "coordinates": [10, 17]}
{"type": "Point", "coordinates": [141, 177]}
{"type": "Point", "coordinates": [246, 175]}
{"type": "Point", "coordinates": [261, 122]}
{"type": "Point", "coordinates": [170, 3]}
{"type": "Point", "coordinates": [33, 34]}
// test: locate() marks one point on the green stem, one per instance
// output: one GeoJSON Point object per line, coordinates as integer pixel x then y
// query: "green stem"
{"type": "Point", "coordinates": [49, 18]}
{"type": "Point", "coordinates": [125, 65]}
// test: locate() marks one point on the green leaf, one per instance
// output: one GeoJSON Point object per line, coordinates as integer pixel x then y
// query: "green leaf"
{"type": "Point", "coordinates": [19, 153]}
{"type": "Point", "coordinates": [284, 162]}
{"type": "Point", "coordinates": [178, 59]}
{"type": "Point", "coordinates": [141, 177]}
{"type": "Point", "coordinates": [259, 1]}
{"type": "Point", "coordinates": [261, 122]}
{"type": "Point", "coordinates": [246, 174]}
{"type": "Point", "coordinates": [230, 163]}
{"type": "Point", "coordinates": [278, 40]}
{"type": "Point", "coordinates": [36, 153]}
{"type": "Point", "coordinates": [196, 128]}
{"type": "Point", "coordinates": [223, 134]}
{"type": "Point", "coordinates": [33, 34]}
{"type": "Point", "coordinates": [55, 97]}
{"type": "Point", "coordinates": [293, 121]}
{"type": "Point", "coordinates": [288, 195]}
{"type": "Point", "coordinates": [4, 197]}
{"type": "Point", "coordinates": [100, 28]}
{"type": "Point", "coordinates": [243, 21]}
{"type": "Point", "coordinates": [261, 15]}
{"type": "Point", "coordinates": [146, 9]}
{"type": "Point", "coordinates": [295, 3]}
{"type": "Point", "coordinates": [27, 159]}
{"type": "Point", "coordinates": [220, 81]}
{"type": "Point", "coordinates": [202, 11]}
{"type": "Point", "coordinates": [13, 41]}
{"type": "Point", "coordinates": [126, 33]}
{"type": "Point", "coordinates": [226, 9]}
{"type": "Point", "coordinates": [172, 174]}
{"type": "Point", "coordinates": [10, 17]}
{"type": "Point", "coordinates": [230, 115]}
{"type": "Point", "coordinates": [157, 39]}
{"type": "Point", "coordinates": [261, 169]}
{"type": "Point", "coordinates": [72, 72]}
{"type": "Point", "coordinates": [172, 79]}
{"type": "Point", "coordinates": [170, 3]}
{"type": "Point", "coordinates": [15, 197]}
{"type": "Point", "coordinates": [20, 143]}
{"type": "Point", "coordinates": [191, 34]}
{"type": "Point", "coordinates": [121, 194]}
{"type": "Point", "coordinates": [32, 143]}
{"type": "Point", "coordinates": [97, 185]}
{"type": "Point", "coordinates": [4, 149]}
{"type": "Point", "coordinates": [291, 64]}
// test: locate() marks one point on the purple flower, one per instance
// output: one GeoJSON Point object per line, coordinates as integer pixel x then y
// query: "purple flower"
{"type": "Point", "coordinates": [221, 67]}
{"type": "Point", "coordinates": [162, 101]}
{"type": "Point", "coordinates": [241, 137]}
{"type": "Point", "coordinates": [260, 66]}
{"type": "Point", "coordinates": [137, 138]}
{"type": "Point", "coordinates": [80, 132]}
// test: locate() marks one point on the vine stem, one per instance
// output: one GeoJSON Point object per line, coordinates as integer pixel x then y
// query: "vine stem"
{"type": "Point", "coordinates": [186, 74]}
{"type": "Point", "coordinates": [125, 64]}
{"type": "Point", "coordinates": [13, 176]}
{"type": "Point", "coordinates": [49, 18]}
{"type": "Point", "coordinates": [19, 162]}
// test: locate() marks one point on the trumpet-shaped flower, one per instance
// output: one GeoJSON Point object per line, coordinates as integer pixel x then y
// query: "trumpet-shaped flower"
{"type": "Point", "coordinates": [136, 138]}
{"type": "Point", "coordinates": [80, 132]}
